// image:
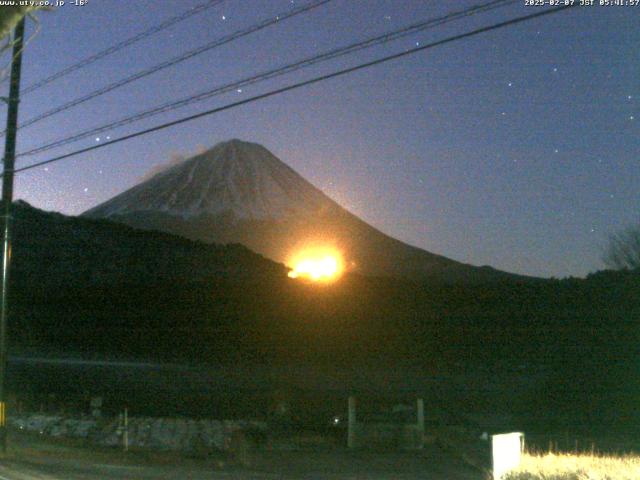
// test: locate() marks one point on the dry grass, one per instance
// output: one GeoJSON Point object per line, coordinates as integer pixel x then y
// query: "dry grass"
{"type": "Point", "coordinates": [576, 467]}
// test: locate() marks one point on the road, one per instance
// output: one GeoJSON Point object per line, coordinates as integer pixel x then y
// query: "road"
{"type": "Point", "coordinates": [37, 458]}
{"type": "Point", "coordinates": [330, 465]}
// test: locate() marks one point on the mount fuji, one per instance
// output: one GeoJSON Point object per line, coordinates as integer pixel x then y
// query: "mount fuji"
{"type": "Point", "coordinates": [239, 192]}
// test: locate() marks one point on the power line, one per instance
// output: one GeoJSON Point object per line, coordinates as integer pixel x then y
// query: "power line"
{"type": "Point", "coordinates": [122, 45]}
{"type": "Point", "coordinates": [295, 86]}
{"type": "Point", "coordinates": [174, 61]}
{"type": "Point", "coordinates": [273, 73]}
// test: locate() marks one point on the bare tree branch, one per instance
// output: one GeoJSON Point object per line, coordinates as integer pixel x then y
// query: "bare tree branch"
{"type": "Point", "coordinates": [623, 250]}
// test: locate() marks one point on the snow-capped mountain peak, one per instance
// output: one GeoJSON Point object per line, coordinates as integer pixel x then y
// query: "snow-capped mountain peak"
{"type": "Point", "coordinates": [237, 178]}
{"type": "Point", "coordinates": [239, 192]}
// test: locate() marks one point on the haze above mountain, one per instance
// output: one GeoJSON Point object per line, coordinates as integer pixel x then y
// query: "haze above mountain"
{"type": "Point", "coordinates": [239, 192]}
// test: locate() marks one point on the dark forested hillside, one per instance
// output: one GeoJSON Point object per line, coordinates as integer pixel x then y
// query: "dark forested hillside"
{"type": "Point", "coordinates": [53, 250]}
{"type": "Point", "coordinates": [94, 287]}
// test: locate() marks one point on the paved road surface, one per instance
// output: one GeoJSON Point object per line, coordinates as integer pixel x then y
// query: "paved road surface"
{"type": "Point", "coordinates": [36, 459]}
{"type": "Point", "coordinates": [307, 465]}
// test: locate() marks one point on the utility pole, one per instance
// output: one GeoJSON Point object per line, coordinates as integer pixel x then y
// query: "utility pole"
{"type": "Point", "coordinates": [7, 199]}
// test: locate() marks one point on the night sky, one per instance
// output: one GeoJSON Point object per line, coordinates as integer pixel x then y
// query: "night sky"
{"type": "Point", "coordinates": [518, 148]}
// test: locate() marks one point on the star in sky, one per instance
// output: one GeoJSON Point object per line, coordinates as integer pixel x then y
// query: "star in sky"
{"type": "Point", "coordinates": [435, 127]}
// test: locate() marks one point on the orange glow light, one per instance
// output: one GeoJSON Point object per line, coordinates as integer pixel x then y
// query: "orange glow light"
{"type": "Point", "coordinates": [317, 265]}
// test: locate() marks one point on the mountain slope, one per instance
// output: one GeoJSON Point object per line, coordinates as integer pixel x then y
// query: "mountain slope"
{"type": "Point", "coordinates": [240, 192]}
{"type": "Point", "coordinates": [52, 250]}
{"type": "Point", "coordinates": [237, 178]}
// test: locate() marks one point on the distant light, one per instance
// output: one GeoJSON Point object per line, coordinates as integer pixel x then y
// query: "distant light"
{"type": "Point", "coordinates": [239, 90]}
{"type": "Point", "coordinates": [223, 17]}
{"type": "Point", "coordinates": [97, 139]}
{"type": "Point", "coordinates": [336, 420]}
{"type": "Point", "coordinates": [317, 264]}
{"type": "Point", "coordinates": [316, 269]}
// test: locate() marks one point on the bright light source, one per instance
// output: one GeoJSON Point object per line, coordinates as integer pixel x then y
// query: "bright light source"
{"type": "Point", "coordinates": [316, 269]}
{"type": "Point", "coordinates": [317, 265]}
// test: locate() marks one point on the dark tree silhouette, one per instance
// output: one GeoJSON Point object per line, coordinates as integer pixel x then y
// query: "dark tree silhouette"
{"type": "Point", "coordinates": [10, 16]}
{"type": "Point", "coordinates": [623, 250]}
